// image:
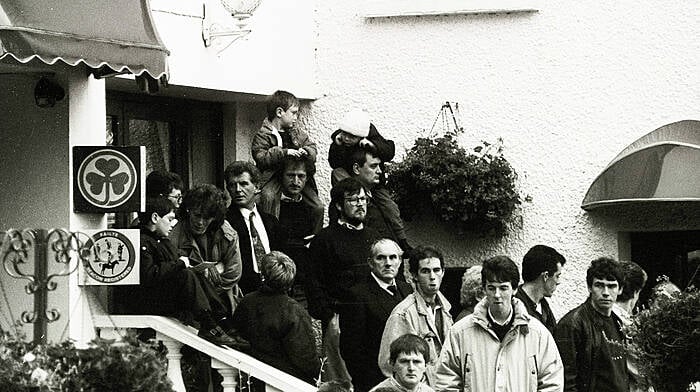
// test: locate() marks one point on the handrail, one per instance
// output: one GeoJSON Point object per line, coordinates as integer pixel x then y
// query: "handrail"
{"type": "Point", "coordinates": [188, 336]}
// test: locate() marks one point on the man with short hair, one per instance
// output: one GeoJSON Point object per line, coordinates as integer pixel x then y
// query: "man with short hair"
{"type": "Point", "coordinates": [338, 260]}
{"type": "Point", "coordinates": [382, 212]}
{"type": "Point", "coordinates": [299, 220]}
{"type": "Point", "coordinates": [499, 347]}
{"type": "Point", "coordinates": [634, 278]}
{"type": "Point", "coordinates": [258, 232]}
{"type": "Point", "coordinates": [589, 336]}
{"type": "Point", "coordinates": [425, 313]}
{"type": "Point", "coordinates": [408, 356]}
{"type": "Point", "coordinates": [366, 310]}
{"type": "Point", "coordinates": [542, 267]}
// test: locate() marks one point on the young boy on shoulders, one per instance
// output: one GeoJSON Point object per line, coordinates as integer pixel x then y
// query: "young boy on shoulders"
{"type": "Point", "coordinates": [277, 138]}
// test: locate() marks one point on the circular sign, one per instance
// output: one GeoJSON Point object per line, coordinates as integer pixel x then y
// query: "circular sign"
{"type": "Point", "coordinates": [107, 178]}
{"type": "Point", "coordinates": [111, 258]}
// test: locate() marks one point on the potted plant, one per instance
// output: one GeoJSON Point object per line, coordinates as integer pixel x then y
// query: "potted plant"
{"type": "Point", "coordinates": [666, 340]}
{"type": "Point", "coordinates": [104, 365]}
{"type": "Point", "coordinates": [474, 190]}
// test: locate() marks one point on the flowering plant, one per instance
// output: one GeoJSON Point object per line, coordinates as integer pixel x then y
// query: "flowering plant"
{"type": "Point", "coordinates": [103, 366]}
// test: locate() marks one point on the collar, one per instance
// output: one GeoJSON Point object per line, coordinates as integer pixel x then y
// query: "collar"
{"type": "Point", "coordinates": [350, 226]}
{"type": "Point", "coordinates": [622, 313]}
{"type": "Point", "coordinates": [151, 234]}
{"type": "Point", "coordinates": [395, 384]}
{"type": "Point", "coordinates": [441, 302]}
{"type": "Point", "coordinates": [287, 199]}
{"type": "Point", "coordinates": [246, 212]}
{"type": "Point", "coordinates": [493, 319]}
{"type": "Point", "coordinates": [383, 284]}
{"type": "Point", "coordinates": [520, 316]}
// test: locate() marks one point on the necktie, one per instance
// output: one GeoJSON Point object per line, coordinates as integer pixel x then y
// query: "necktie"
{"type": "Point", "coordinates": [258, 248]}
{"type": "Point", "coordinates": [393, 290]}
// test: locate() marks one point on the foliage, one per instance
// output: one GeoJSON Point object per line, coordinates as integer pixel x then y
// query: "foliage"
{"type": "Point", "coordinates": [474, 190]}
{"type": "Point", "coordinates": [103, 366]}
{"type": "Point", "coordinates": [666, 340]}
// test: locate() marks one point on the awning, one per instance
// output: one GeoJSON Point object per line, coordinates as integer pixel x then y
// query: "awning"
{"type": "Point", "coordinates": [110, 36]}
{"type": "Point", "coordinates": [660, 167]}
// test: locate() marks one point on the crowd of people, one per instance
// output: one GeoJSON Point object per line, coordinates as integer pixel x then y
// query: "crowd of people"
{"type": "Point", "coordinates": [252, 269]}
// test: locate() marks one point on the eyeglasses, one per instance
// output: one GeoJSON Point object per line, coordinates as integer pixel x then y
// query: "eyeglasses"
{"type": "Point", "coordinates": [178, 198]}
{"type": "Point", "coordinates": [356, 200]}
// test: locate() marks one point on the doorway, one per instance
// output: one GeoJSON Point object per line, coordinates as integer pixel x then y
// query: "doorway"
{"type": "Point", "coordinates": [675, 254]}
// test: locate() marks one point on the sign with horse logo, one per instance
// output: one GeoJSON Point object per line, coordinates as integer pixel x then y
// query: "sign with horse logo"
{"type": "Point", "coordinates": [112, 258]}
{"type": "Point", "coordinates": [109, 179]}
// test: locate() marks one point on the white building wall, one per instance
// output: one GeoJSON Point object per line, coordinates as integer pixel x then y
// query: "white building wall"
{"type": "Point", "coordinates": [566, 88]}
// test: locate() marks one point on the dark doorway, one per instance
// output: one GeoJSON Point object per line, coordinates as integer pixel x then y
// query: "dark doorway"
{"type": "Point", "coordinates": [675, 254]}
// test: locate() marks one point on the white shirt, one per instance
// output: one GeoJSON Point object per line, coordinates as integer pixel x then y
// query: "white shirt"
{"type": "Point", "coordinates": [260, 228]}
{"type": "Point", "coordinates": [276, 132]}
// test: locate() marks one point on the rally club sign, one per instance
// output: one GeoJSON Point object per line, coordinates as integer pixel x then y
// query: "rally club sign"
{"type": "Point", "coordinates": [108, 179]}
{"type": "Point", "coordinates": [112, 257]}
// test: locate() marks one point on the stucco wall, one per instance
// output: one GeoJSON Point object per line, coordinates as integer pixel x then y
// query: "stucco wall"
{"type": "Point", "coordinates": [566, 88]}
{"type": "Point", "coordinates": [34, 184]}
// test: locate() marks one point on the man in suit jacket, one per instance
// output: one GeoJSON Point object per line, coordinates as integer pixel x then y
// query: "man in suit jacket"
{"type": "Point", "coordinates": [242, 181]}
{"type": "Point", "coordinates": [367, 309]}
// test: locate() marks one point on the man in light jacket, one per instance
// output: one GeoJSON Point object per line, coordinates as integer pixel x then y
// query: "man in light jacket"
{"type": "Point", "coordinates": [499, 347]}
{"type": "Point", "coordinates": [425, 313]}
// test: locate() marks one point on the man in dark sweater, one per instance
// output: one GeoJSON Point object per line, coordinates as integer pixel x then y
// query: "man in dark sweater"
{"type": "Point", "coordinates": [542, 267]}
{"type": "Point", "coordinates": [338, 256]}
{"type": "Point", "coordinates": [299, 220]}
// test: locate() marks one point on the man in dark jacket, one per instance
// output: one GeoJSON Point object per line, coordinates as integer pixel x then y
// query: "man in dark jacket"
{"type": "Point", "coordinates": [542, 267]}
{"type": "Point", "coordinates": [258, 232]}
{"type": "Point", "coordinates": [365, 312]}
{"type": "Point", "coordinates": [589, 337]}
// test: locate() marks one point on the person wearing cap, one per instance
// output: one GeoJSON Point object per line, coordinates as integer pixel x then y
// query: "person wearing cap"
{"type": "Point", "coordinates": [356, 131]}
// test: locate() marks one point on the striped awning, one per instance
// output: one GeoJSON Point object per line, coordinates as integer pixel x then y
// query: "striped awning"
{"type": "Point", "coordinates": [660, 167]}
{"type": "Point", "coordinates": [106, 35]}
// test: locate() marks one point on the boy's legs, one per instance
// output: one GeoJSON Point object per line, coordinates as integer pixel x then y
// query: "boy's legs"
{"type": "Point", "coordinates": [310, 197]}
{"type": "Point", "coordinates": [269, 198]}
{"type": "Point", "coordinates": [338, 174]}
{"type": "Point", "coordinates": [390, 210]}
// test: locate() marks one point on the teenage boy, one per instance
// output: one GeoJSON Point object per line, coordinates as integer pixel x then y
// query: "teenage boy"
{"type": "Point", "coordinates": [590, 338]}
{"type": "Point", "coordinates": [499, 346]}
{"type": "Point", "coordinates": [541, 273]}
{"type": "Point", "coordinates": [278, 138]}
{"type": "Point", "coordinates": [408, 356]}
{"type": "Point", "coordinates": [167, 285]}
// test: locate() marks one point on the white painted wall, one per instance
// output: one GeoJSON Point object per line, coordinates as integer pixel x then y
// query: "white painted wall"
{"type": "Point", "coordinates": [566, 88]}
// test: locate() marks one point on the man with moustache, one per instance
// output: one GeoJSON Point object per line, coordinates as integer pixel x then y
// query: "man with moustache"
{"type": "Point", "coordinates": [590, 337]}
{"type": "Point", "coordinates": [258, 232]}
{"type": "Point", "coordinates": [425, 313]}
{"type": "Point", "coordinates": [499, 347]}
{"type": "Point", "coordinates": [363, 316]}
{"type": "Point", "coordinates": [338, 260]}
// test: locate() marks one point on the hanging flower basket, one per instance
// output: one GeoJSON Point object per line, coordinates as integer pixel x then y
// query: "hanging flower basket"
{"type": "Point", "coordinates": [474, 190]}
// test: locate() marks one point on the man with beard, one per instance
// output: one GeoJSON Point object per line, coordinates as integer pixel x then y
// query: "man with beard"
{"type": "Point", "coordinates": [338, 260]}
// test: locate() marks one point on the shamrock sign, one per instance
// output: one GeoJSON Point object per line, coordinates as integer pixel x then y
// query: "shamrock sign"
{"type": "Point", "coordinates": [107, 179]}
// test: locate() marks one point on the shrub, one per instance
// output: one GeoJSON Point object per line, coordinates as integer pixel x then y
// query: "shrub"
{"type": "Point", "coordinates": [666, 340]}
{"type": "Point", "coordinates": [473, 190]}
{"type": "Point", "coordinates": [103, 366]}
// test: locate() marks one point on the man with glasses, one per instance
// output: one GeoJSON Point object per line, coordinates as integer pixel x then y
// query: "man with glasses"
{"type": "Point", "coordinates": [338, 260]}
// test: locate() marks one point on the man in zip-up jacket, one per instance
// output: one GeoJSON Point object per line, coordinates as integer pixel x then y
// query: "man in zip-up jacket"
{"type": "Point", "coordinates": [499, 347]}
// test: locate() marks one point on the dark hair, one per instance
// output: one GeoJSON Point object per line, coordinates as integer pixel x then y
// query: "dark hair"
{"type": "Point", "coordinates": [500, 269]}
{"type": "Point", "coordinates": [335, 386]}
{"type": "Point", "coordinates": [239, 167]}
{"type": "Point", "coordinates": [539, 259]}
{"type": "Point", "coordinates": [211, 202]}
{"type": "Point", "coordinates": [160, 205]}
{"type": "Point", "coordinates": [633, 280]}
{"type": "Point", "coordinates": [408, 344]}
{"type": "Point", "coordinates": [604, 268]}
{"type": "Point", "coordinates": [278, 271]}
{"type": "Point", "coordinates": [280, 99]}
{"type": "Point", "coordinates": [161, 183]}
{"type": "Point", "coordinates": [292, 161]}
{"type": "Point", "coordinates": [423, 252]}
{"type": "Point", "coordinates": [359, 156]}
{"type": "Point", "coordinates": [349, 186]}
